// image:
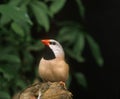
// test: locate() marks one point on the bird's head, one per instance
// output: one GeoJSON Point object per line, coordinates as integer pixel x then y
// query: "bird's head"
{"type": "Point", "coordinates": [55, 46]}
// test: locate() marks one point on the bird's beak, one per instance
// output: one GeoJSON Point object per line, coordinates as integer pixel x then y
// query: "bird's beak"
{"type": "Point", "coordinates": [45, 42]}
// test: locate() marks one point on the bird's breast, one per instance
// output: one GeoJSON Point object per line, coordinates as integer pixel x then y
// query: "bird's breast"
{"type": "Point", "coordinates": [53, 70]}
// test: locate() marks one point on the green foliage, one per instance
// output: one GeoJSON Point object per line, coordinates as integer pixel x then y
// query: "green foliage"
{"type": "Point", "coordinates": [95, 50]}
{"type": "Point", "coordinates": [16, 60]}
{"type": "Point", "coordinates": [4, 95]}
{"type": "Point", "coordinates": [72, 34]}
{"type": "Point", "coordinates": [81, 79]}
{"type": "Point", "coordinates": [17, 18]}
{"type": "Point", "coordinates": [81, 8]}
{"type": "Point", "coordinates": [40, 13]}
{"type": "Point", "coordinates": [56, 6]}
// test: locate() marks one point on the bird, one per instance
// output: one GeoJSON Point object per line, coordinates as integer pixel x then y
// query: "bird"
{"type": "Point", "coordinates": [52, 65]}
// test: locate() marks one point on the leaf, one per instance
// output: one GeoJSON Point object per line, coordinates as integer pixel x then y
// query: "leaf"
{"type": "Point", "coordinates": [18, 29]}
{"type": "Point", "coordinates": [6, 75]}
{"type": "Point", "coordinates": [67, 34]}
{"type": "Point", "coordinates": [79, 46]}
{"type": "Point", "coordinates": [81, 8]}
{"type": "Point", "coordinates": [6, 50]}
{"type": "Point", "coordinates": [14, 13]}
{"type": "Point", "coordinates": [26, 28]}
{"type": "Point", "coordinates": [4, 95]}
{"type": "Point", "coordinates": [95, 50]}
{"type": "Point", "coordinates": [4, 20]}
{"type": "Point", "coordinates": [9, 70]}
{"type": "Point", "coordinates": [69, 29]}
{"type": "Point", "coordinates": [14, 2]}
{"type": "Point", "coordinates": [5, 16]}
{"type": "Point", "coordinates": [10, 58]}
{"type": "Point", "coordinates": [20, 83]}
{"type": "Point", "coordinates": [41, 16]}
{"type": "Point", "coordinates": [80, 43]}
{"type": "Point", "coordinates": [69, 81]}
{"type": "Point", "coordinates": [27, 61]}
{"type": "Point", "coordinates": [20, 15]}
{"type": "Point", "coordinates": [3, 83]}
{"type": "Point", "coordinates": [74, 55]}
{"type": "Point", "coordinates": [56, 6]}
{"type": "Point", "coordinates": [73, 37]}
{"type": "Point", "coordinates": [35, 47]}
{"type": "Point", "coordinates": [81, 79]}
{"type": "Point", "coordinates": [43, 6]}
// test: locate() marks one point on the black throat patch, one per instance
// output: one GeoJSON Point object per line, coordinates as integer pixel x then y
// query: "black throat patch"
{"type": "Point", "coordinates": [48, 54]}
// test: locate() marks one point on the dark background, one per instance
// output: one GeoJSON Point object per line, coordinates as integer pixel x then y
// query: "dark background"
{"type": "Point", "coordinates": [102, 21]}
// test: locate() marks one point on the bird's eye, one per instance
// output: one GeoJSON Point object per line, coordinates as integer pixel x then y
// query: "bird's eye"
{"type": "Point", "coordinates": [52, 43]}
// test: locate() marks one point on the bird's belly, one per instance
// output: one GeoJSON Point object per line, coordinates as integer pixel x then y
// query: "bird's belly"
{"type": "Point", "coordinates": [52, 72]}
{"type": "Point", "coordinates": [51, 75]}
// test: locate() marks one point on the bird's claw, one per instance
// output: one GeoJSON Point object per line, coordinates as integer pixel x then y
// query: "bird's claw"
{"type": "Point", "coordinates": [62, 84]}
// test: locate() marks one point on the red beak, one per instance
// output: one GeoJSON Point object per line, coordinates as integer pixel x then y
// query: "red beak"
{"type": "Point", "coordinates": [45, 42]}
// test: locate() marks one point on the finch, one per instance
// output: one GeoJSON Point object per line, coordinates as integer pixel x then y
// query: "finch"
{"type": "Point", "coordinates": [52, 66]}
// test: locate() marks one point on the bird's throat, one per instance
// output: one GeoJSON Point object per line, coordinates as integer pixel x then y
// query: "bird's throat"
{"type": "Point", "coordinates": [48, 54]}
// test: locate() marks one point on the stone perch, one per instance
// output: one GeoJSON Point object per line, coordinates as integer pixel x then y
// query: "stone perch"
{"type": "Point", "coordinates": [47, 90]}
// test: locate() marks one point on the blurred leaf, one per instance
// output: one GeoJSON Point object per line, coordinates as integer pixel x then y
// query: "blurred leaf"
{"type": "Point", "coordinates": [20, 83]}
{"type": "Point", "coordinates": [56, 6]}
{"type": "Point", "coordinates": [70, 52]}
{"type": "Point", "coordinates": [69, 31]}
{"type": "Point", "coordinates": [43, 6]}
{"type": "Point", "coordinates": [95, 50]}
{"type": "Point", "coordinates": [41, 16]}
{"type": "Point", "coordinates": [27, 60]}
{"type": "Point", "coordinates": [67, 34]}
{"type": "Point", "coordinates": [73, 37]}
{"type": "Point", "coordinates": [28, 57]}
{"type": "Point", "coordinates": [9, 70]}
{"type": "Point", "coordinates": [3, 82]}
{"type": "Point", "coordinates": [28, 37]}
{"type": "Point", "coordinates": [11, 12]}
{"type": "Point", "coordinates": [79, 46]}
{"type": "Point", "coordinates": [6, 75]}
{"type": "Point", "coordinates": [20, 15]}
{"type": "Point", "coordinates": [81, 79]}
{"type": "Point", "coordinates": [36, 46]}
{"type": "Point", "coordinates": [81, 8]}
{"type": "Point", "coordinates": [10, 58]}
{"type": "Point", "coordinates": [18, 29]}
{"type": "Point", "coordinates": [14, 2]}
{"type": "Point", "coordinates": [4, 20]}
{"type": "Point", "coordinates": [27, 29]}
{"type": "Point", "coordinates": [69, 81]}
{"type": "Point", "coordinates": [5, 50]}
{"type": "Point", "coordinates": [4, 95]}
